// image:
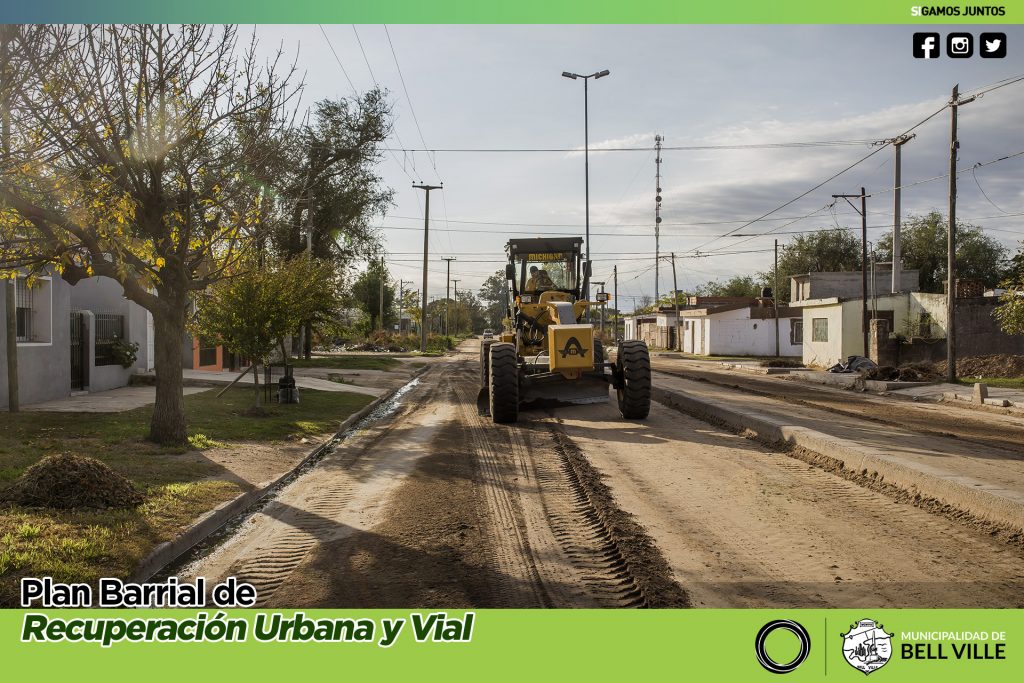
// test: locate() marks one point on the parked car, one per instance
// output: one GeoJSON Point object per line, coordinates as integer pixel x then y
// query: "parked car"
{"type": "Point", "coordinates": [488, 333]}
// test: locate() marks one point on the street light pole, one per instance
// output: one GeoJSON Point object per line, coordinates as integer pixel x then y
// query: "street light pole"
{"type": "Point", "coordinates": [586, 153]}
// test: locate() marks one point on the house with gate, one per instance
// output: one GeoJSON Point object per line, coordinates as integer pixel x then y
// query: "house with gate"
{"type": "Point", "coordinates": [68, 337]}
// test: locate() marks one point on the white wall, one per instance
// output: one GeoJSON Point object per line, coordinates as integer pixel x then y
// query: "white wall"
{"type": "Point", "coordinates": [826, 353]}
{"type": "Point", "coordinates": [736, 333]}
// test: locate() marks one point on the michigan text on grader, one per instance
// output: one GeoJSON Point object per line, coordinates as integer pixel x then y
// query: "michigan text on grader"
{"type": "Point", "coordinates": [545, 351]}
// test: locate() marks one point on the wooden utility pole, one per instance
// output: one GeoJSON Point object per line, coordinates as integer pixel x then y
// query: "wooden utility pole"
{"type": "Point", "coordinates": [381, 302]}
{"type": "Point", "coordinates": [954, 146]}
{"type": "Point", "coordinates": [10, 286]}
{"type": "Point", "coordinates": [447, 285]}
{"type": "Point", "coordinates": [675, 296]}
{"type": "Point", "coordinates": [426, 255]}
{"type": "Point", "coordinates": [615, 279]}
{"type": "Point", "coordinates": [863, 211]}
{"type": "Point", "coordinates": [456, 284]}
{"type": "Point", "coordinates": [775, 297]}
{"type": "Point", "coordinates": [897, 217]}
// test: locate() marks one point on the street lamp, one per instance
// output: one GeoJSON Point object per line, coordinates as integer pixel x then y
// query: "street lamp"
{"type": "Point", "coordinates": [586, 153]}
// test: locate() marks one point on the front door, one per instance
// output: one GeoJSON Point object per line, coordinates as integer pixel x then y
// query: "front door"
{"type": "Point", "coordinates": [79, 349]}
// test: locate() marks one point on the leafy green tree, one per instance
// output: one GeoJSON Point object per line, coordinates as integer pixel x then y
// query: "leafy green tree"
{"type": "Point", "coordinates": [1010, 313]}
{"type": "Point", "coordinates": [366, 293]}
{"type": "Point", "coordinates": [816, 252]}
{"type": "Point", "coordinates": [493, 298]}
{"type": "Point", "coordinates": [328, 181]}
{"type": "Point", "coordinates": [738, 285]}
{"type": "Point", "coordinates": [251, 313]}
{"type": "Point", "coordinates": [923, 247]}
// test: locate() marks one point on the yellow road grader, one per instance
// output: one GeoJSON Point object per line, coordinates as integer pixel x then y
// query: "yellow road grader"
{"type": "Point", "coordinates": [546, 353]}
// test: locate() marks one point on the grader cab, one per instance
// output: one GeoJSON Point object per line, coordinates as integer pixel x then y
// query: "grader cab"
{"type": "Point", "coordinates": [546, 352]}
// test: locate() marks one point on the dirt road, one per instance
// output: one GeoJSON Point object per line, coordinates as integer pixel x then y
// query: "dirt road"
{"type": "Point", "coordinates": [432, 505]}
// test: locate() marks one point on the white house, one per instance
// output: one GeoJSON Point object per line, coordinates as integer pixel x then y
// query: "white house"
{"type": "Point", "coordinates": [741, 327]}
{"type": "Point", "coordinates": [65, 337]}
{"type": "Point", "coordinates": [832, 328]}
{"type": "Point", "coordinates": [738, 330]}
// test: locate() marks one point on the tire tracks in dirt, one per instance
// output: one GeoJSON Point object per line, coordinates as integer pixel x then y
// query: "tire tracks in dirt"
{"type": "Point", "coordinates": [585, 551]}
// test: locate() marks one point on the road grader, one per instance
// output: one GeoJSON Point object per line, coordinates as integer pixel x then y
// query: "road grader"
{"type": "Point", "coordinates": [546, 353]}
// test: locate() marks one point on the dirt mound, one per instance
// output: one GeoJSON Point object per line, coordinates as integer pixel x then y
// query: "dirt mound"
{"type": "Point", "coordinates": [999, 365]}
{"type": "Point", "coordinates": [781, 363]}
{"type": "Point", "coordinates": [913, 372]}
{"type": "Point", "coordinates": [70, 481]}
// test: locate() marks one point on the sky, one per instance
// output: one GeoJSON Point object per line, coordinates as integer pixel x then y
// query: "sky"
{"type": "Point", "coordinates": [481, 87]}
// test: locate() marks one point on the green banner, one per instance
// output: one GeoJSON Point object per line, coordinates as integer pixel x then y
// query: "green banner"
{"type": "Point", "coordinates": [832, 645]}
{"type": "Point", "coordinates": [522, 11]}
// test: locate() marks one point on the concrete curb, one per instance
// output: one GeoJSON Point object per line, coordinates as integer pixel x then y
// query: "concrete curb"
{"type": "Point", "coordinates": [852, 381]}
{"type": "Point", "coordinates": [983, 500]}
{"type": "Point", "coordinates": [169, 551]}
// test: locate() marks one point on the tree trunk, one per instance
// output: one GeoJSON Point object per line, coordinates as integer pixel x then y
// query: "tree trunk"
{"type": "Point", "coordinates": [307, 351]}
{"type": "Point", "coordinates": [168, 423]}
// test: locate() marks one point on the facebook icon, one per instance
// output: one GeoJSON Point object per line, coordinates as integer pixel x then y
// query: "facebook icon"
{"type": "Point", "coordinates": [926, 45]}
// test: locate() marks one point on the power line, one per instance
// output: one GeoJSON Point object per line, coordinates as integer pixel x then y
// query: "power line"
{"type": "Point", "coordinates": [336, 58]}
{"type": "Point", "coordinates": [878, 149]}
{"type": "Point", "coordinates": [408, 99]}
{"type": "Point", "coordinates": [645, 234]}
{"type": "Point", "coordinates": [682, 148]}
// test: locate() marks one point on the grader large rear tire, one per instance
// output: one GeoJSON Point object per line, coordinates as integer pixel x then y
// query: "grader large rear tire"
{"type": "Point", "coordinates": [634, 366]}
{"type": "Point", "coordinates": [504, 384]}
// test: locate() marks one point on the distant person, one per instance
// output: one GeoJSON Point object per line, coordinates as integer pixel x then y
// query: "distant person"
{"type": "Point", "coordinates": [543, 280]}
{"type": "Point", "coordinates": [531, 284]}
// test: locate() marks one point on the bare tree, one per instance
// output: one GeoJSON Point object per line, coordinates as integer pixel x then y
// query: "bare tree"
{"type": "Point", "coordinates": [136, 153]}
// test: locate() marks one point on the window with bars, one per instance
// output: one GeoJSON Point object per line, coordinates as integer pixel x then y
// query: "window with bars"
{"type": "Point", "coordinates": [109, 330]}
{"type": "Point", "coordinates": [24, 311]}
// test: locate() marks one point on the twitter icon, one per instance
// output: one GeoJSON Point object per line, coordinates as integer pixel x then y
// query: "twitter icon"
{"type": "Point", "coordinates": [993, 45]}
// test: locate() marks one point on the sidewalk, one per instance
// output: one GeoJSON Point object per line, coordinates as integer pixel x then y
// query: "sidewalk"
{"type": "Point", "coordinates": [302, 381]}
{"type": "Point", "coordinates": [984, 480]}
{"type": "Point", "coordinates": [111, 401]}
{"type": "Point", "coordinates": [963, 392]}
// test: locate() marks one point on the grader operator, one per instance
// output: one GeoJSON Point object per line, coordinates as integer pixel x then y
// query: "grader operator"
{"type": "Point", "coordinates": [545, 351]}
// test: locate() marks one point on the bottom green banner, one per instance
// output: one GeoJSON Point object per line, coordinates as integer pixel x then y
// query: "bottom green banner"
{"type": "Point", "coordinates": [734, 645]}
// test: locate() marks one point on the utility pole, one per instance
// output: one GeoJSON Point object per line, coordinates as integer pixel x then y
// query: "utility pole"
{"type": "Point", "coordinates": [897, 214]}
{"type": "Point", "coordinates": [447, 285]}
{"type": "Point", "coordinates": [657, 212]}
{"type": "Point", "coordinates": [456, 284]}
{"type": "Point", "coordinates": [381, 302]}
{"type": "Point", "coordinates": [775, 297]}
{"type": "Point", "coordinates": [10, 286]}
{"type": "Point", "coordinates": [863, 211]}
{"type": "Point", "coordinates": [615, 279]}
{"type": "Point", "coordinates": [675, 296]}
{"type": "Point", "coordinates": [601, 289]}
{"type": "Point", "coordinates": [401, 293]}
{"type": "Point", "coordinates": [426, 255]}
{"type": "Point", "coordinates": [954, 146]}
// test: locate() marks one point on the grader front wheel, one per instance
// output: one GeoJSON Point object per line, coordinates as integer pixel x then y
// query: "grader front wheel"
{"type": "Point", "coordinates": [504, 383]}
{"type": "Point", "coordinates": [634, 370]}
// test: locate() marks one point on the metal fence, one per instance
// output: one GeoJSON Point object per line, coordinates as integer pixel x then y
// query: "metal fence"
{"type": "Point", "coordinates": [109, 330]}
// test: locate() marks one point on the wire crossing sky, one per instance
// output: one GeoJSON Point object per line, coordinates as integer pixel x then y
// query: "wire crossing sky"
{"type": "Point", "coordinates": [762, 124]}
